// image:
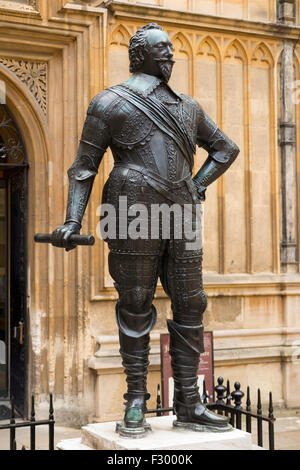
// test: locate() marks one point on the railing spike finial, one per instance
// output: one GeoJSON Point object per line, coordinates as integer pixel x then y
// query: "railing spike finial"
{"type": "Point", "coordinates": [237, 395]}
{"type": "Point", "coordinates": [271, 416]}
{"type": "Point", "coordinates": [271, 423]}
{"type": "Point", "coordinates": [51, 423]}
{"type": "Point", "coordinates": [259, 421]}
{"type": "Point", "coordinates": [32, 409]}
{"type": "Point", "coordinates": [259, 407]}
{"type": "Point", "coordinates": [228, 400]}
{"type": "Point", "coordinates": [228, 394]}
{"type": "Point", "coordinates": [248, 402]}
{"type": "Point", "coordinates": [248, 408]}
{"type": "Point", "coordinates": [220, 391]}
{"type": "Point", "coordinates": [51, 409]}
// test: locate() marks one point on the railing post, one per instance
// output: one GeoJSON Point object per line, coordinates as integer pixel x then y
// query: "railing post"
{"type": "Point", "coordinates": [271, 424]}
{"type": "Point", "coordinates": [12, 432]}
{"type": "Point", "coordinates": [51, 424]}
{"type": "Point", "coordinates": [204, 395]}
{"type": "Point", "coordinates": [259, 421]}
{"type": "Point", "coordinates": [228, 403]}
{"type": "Point", "coordinates": [248, 408]}
{"type": "Point", "coordinates": [158, 402]}
{"type": "Point", "coordinates": [228, 397]}
{"type": "Point", "coordinates": [237, 396]}
{"type": "Point", "coordinates": [220, 391]}
{"type": "Point", "coordinates": [32, 427]}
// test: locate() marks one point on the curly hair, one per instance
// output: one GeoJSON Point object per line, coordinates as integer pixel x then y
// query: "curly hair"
{"type": "Point", "coordinates": [138, 44]}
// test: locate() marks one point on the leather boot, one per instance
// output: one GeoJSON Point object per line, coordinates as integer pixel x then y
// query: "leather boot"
{"type": "Point", "coordinates": [186, 344]}
{"type": "Point", "coordinates": [134, 352]}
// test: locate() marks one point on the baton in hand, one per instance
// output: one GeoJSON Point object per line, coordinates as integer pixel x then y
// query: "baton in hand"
{"type": "Point", "coordinates": [85, 240]}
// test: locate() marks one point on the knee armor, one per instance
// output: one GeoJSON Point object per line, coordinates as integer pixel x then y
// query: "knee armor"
{"type": "Point", "coordinates": [136, 316]}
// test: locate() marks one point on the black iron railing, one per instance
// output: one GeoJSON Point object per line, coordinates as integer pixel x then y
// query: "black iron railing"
{"type": "Point", "coordinates": [238, 416]}
{"type": "Point", "coordinates": [32, 424]}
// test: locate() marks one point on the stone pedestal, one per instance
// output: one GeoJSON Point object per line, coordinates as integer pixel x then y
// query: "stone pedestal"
{"type": "Point", "coordinates": [102, 436]}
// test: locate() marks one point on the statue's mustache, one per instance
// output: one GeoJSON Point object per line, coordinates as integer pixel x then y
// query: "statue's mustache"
{"type": "Point", "coordinates": [170, 61]}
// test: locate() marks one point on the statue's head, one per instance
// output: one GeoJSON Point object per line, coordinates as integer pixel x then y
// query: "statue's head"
{"type": "Point", "coordinates": [151, 52]}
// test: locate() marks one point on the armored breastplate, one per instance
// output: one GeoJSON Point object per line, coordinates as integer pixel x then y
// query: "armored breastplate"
{"type": "Point", "coordinates": [136, 139]}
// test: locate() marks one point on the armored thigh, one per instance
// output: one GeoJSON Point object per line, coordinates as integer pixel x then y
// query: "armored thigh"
{"type": "Point", "coordinates": [182, 271]}
{"type": "Point", "coordinates": [182, 276]}
{"type": "Point", "coordinates": [184, 279]}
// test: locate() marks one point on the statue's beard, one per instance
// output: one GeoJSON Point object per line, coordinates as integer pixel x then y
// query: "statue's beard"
{"type": "Point", "coordinates": [165, 67]}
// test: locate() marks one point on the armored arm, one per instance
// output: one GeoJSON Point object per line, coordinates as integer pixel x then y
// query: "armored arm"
{"type": "Point", "coordinates": [222, 153]}
{"type": "Point", "coordinates": [94, 141]}
{"type": "Point", "coordinates": [81, 178]}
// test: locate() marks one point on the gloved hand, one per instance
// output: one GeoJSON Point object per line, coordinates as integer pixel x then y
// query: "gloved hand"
{"type": "Point", "coordinates": [61, 236]}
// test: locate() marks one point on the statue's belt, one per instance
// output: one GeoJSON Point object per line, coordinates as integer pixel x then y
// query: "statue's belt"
{"type": "Point", "coordinates": [162, 185]}
{"type": "Point", "coordinates": [162, 118]}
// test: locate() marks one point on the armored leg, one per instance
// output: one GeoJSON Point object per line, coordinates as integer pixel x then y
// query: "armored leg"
{"type": "Point", "coordinates": [134, 352]}
{"type": "Point", "coordinates": [136, 279]}
{"type": "Point", "coordinates": [185, 349]}
{"type": "Point", "coordinates": [186, 344]}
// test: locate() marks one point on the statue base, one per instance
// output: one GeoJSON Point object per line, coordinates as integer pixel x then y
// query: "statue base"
{"type": "Point", "coordinates": [133, 433]}
{"type": "Point", "coordinates": [164, 436]}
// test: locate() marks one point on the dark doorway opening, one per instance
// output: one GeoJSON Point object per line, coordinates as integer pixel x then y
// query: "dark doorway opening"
{"type": "Point", "coordinates": [13, 266]}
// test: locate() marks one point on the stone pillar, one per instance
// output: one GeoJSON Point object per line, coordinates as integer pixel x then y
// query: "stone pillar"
{"type": "Point", "coordinates": [287, 141]}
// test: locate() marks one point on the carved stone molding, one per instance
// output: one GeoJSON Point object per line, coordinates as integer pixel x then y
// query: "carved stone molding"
{"type": "Point", "coordinates": [26, 6]}
{"type": "Point", "coordinates": [286, 11]}
{"type": "Point", "coordinates": [33, 74]}
{"type": "Point", "coordinates": [34, 4]}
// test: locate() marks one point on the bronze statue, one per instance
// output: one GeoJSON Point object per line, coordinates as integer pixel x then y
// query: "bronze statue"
{"type": "Point", "coordinates": [152, 132]}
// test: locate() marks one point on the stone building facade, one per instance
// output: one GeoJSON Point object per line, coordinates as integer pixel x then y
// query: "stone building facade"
{"type": "Point", "coordinates": [240, 59]}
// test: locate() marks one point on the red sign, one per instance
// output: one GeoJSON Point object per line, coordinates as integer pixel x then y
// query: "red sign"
{"type": "Point", "coordinates": [205, 370]}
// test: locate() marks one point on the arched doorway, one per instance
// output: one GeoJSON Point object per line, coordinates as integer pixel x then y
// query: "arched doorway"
{"type": "Point", "coordinates": [13, 212]}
